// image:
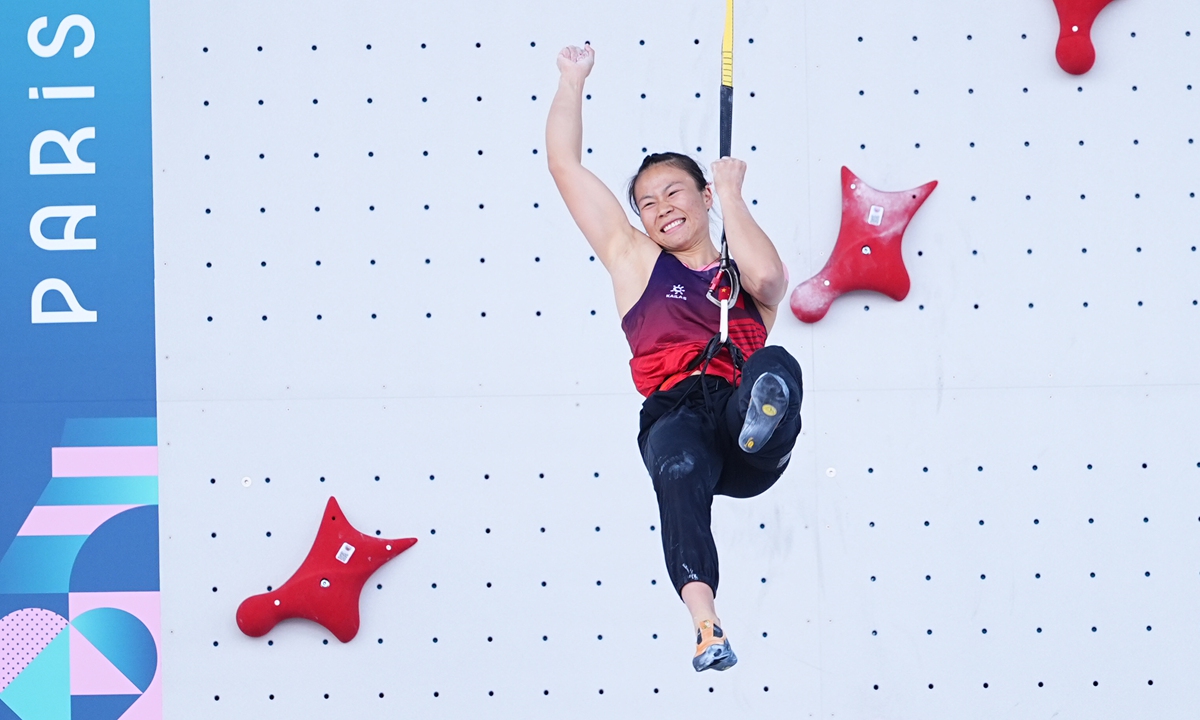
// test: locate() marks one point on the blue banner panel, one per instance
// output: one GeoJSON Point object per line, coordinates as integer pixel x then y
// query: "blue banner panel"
{"type": "Point", "coordinates": [78, 436]}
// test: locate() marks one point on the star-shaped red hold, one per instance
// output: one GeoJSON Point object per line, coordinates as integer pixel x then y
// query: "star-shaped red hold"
{"type": "Point", "coordinates": [327, 586]}
{"type": "Point", "coordinates": [867, 253]}
{"type": "Point", "coordinates": [1075, 52]}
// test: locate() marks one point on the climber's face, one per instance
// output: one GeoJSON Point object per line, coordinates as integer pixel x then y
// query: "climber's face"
{"type": "Point", "coordinates": [674, 211]}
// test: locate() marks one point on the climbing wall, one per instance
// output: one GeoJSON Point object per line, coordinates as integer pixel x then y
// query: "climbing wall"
{"type": "Point", "coordinates": [367, 287]}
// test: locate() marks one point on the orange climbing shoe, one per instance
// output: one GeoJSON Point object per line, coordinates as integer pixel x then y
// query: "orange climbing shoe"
{"type": "Point", "coordinates": [712, 649]}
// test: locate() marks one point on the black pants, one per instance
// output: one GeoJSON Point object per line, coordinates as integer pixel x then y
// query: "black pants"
{"type": "Point", "coordinates": [690, 448]}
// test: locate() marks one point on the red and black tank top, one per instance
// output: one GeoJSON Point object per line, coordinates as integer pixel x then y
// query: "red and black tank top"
{"type": "Point", "coordinates": [673, 320]}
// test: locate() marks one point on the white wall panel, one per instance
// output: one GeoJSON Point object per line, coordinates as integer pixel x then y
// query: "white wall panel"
{"type": "Point", "coordinates": [528, 421]}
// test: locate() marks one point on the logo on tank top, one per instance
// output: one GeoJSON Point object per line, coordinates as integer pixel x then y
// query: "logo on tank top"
{"type": "Point", "coordinates": [677, 293]}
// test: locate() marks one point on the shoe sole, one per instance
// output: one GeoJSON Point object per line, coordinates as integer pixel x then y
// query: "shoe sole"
{"type": "Point", "coordinates": [715, 657]}
{"type": "Point", "coordinates": [768, 403]}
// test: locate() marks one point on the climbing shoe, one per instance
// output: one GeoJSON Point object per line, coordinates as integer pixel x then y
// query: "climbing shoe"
{"type": "Point", "coordinates": [768, 403]}
{"type": "Point", "coordinates": [712, 649]}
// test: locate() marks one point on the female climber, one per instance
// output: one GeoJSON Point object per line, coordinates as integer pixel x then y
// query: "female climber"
{"type": "Point", "coordinates": [706, 428]}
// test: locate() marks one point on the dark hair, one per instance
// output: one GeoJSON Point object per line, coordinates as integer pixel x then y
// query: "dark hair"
{"type": "Point", "coordinates": [676, 160]}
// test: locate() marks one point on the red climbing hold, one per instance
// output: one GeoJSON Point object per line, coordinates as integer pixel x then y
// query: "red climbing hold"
{"type": "Point", "coordinates": [329, 582]}
{"type": "Point", "coordinates": [866, 255]}
{"type": "Point", "coordinates": [1075, 52]}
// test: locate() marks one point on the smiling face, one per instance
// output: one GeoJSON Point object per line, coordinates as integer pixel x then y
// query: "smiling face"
{"type": "Point", "coordinates": [674, 211]}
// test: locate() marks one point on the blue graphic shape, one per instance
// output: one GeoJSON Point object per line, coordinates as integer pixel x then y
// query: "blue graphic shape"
{"type": "Point", "coordinates": [124, 640]}
{"type": "Point", "coordinates": [107, 432]}
{"type": "Point", "coordinates": [57, 603]}
{"type": "Point", "coordinates": [42, 564]}
{"type": "Point", "coordinates": [42, 691]}
{"type": "Point", "coordinates": [134, 490]}
{"type": "Point", "coordinates": [6, 712]}
{"type": "Point", "coordinates": [121, 555]}
{"type": "Point", "coordinates": [100, 707]}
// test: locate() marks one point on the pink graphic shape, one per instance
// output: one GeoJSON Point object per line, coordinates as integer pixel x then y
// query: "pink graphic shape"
{"type": "Point", "coordinates": [866, 255]}
{"type": "Point", "coordinates": [93, 674]}
{"type": "Point", "coordinates": [103, 461]}
{"type": "Point", "coordinates": [1074, 51]}
{"type": "Point", "coordinates": [24, 634]}
{"type": "Point", "coordinates": [69, 519]}
{"type": "Point", "coordinates": [147, 607]}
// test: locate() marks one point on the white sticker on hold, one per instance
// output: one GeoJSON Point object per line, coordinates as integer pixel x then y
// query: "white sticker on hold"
{"type": "Point", "coordinates": [276, 602]}
{"type": "Point", "coordinates": [324, 583]}
{"type": "Point", "coordinates": [344, 554]}
{"type": "Point", "coordinates": [389, 547]}
{"type": "Point", "coordinates": [1074, 28]}
{"type": "Point", "coordinates": [831, 472]}
{"type": "Point", "coordinates": [876, 215]}
{"type": "Point", "coordinates": [826, 283]}
{"type": "Point", "coordinates": [245, 482]}
{"type": "Point", "coordinates": [866, 250]}
{"type": "Point", "coordinates": [852, 186]}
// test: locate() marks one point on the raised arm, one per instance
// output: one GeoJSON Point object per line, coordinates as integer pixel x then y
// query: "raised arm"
{"type": "Point", "coordinates": [593, 206]}
{"type": "Point", "coordinates": [762, 272]}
